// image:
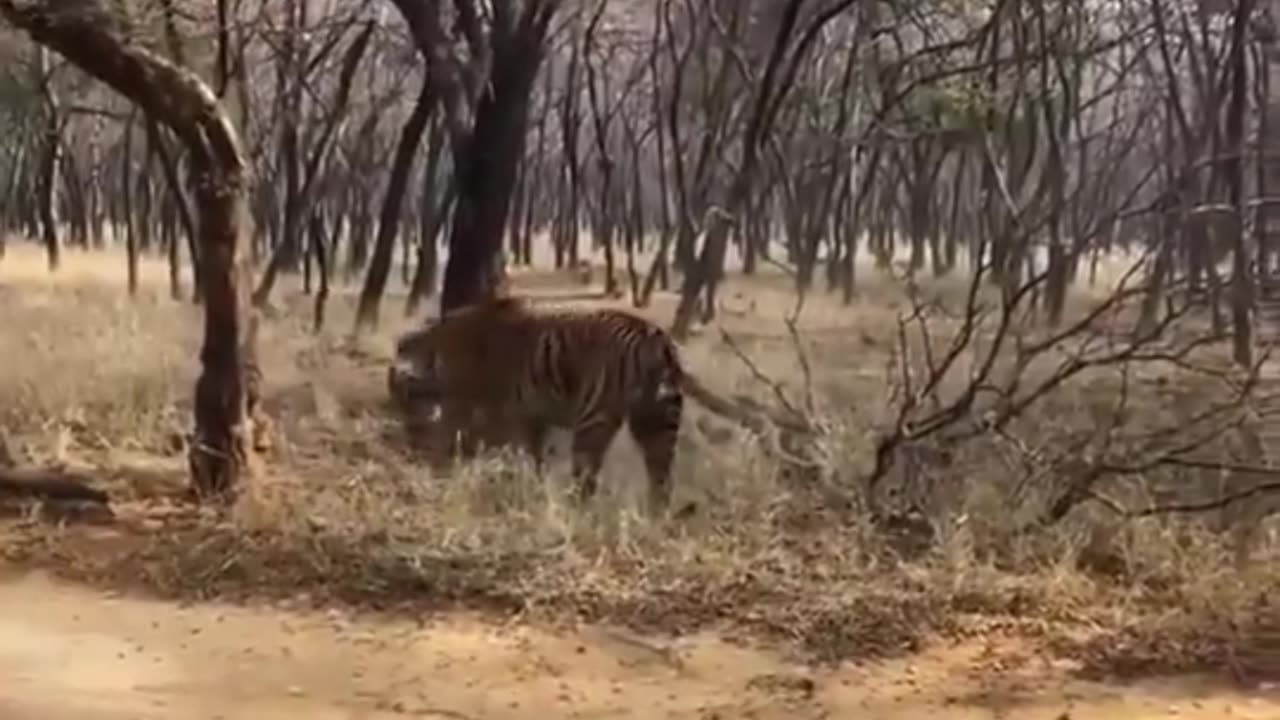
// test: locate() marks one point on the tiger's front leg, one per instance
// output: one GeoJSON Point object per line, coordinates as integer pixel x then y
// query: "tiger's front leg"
{"type": "Point", "coordinates": [535, 443]}
{"type": "Point", "coordinates": [454, 436]}
{"type": "Point", "coordinates": [591, 441]}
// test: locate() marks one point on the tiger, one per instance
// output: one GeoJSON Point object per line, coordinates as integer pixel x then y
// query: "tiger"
{"type": "Point", "coordinates": [501, 372]}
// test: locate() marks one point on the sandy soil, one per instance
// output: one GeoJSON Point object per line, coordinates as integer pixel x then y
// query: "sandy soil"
{"type": "Point", "coordinates": [68, 652]}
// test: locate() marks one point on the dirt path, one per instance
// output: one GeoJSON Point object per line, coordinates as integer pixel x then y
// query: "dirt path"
{"type": "Point", "coordinates": [68, 652]}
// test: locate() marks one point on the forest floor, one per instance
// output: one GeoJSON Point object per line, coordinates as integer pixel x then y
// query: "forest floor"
{"type": "Point", "coordinates": [347, 582]}
{"type": "Point", "coordinates": [71, 653]}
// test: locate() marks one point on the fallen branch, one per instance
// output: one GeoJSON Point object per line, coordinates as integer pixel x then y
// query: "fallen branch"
{"type": "Point", "coordinates": [774, 385]}
{"type": "Point", "coordinates": [49, 484]}
{"type": "Point", "coordinates": [1188, 508]}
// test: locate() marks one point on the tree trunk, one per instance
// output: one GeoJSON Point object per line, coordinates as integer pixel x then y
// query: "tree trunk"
{"type": "Point", "coordinates": [126, 200]}
{"type": "Point", "coordinates": [48, 170]}
{"type": "Point", "coordinates": [318, 249]}
{"type": "Point", "coordinates": [485, 173]}
{"type": "Point", "coordinates": [431, 217]}
{"type": "Point", "coordinates": [375, 281]}
{"type": "Point", "coordinates": [1242, 292]}
{"type": "Point", "coordinates": [169, 166]}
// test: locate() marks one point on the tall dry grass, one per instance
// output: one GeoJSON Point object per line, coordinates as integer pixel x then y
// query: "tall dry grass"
{"type": "Point", "coordinates": [101, 380]}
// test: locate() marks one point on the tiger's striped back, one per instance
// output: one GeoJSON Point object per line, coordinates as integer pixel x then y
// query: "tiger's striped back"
{"type": "Point", "coordinates": [596, 359]}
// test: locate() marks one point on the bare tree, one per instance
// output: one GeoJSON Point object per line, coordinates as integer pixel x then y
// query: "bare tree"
{"type": "Point", "coordinates": [301, 171]}
{"type": "Point", "coordinates": [89, 36]}
{"type": "Point", "coordinates": [791, 42]}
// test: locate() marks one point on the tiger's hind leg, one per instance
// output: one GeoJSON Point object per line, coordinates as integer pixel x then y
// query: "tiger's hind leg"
{"type": "Point", "coordinates": [591, 441]}
{"type": "Point", "coordinates": [655, 426]}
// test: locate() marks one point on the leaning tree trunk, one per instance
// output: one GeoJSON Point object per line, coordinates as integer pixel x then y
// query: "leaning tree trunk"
{"type": "Point", "coordinates": [183, 102]}
{"type": "Point", "coordinates": [375, 280]}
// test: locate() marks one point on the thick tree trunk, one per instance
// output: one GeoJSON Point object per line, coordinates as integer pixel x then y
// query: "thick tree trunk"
{"type": "Point", "coordinates": [485, 173]}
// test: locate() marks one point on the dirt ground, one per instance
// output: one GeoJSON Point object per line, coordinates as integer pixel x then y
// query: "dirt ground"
{"type": "Point", "coordinates": [69, 652]}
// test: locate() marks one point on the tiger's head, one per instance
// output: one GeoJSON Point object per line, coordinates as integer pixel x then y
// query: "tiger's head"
{"type": "Point", "coordinates": [459, 348]}
{"type": "Point", "coordinates": [418, 371]}
{"type": "Point", "coordinates": [414, 378]}
{"type": "Point", "coordinates": [456, 360]}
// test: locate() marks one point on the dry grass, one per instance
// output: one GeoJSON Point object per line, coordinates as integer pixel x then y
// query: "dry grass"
{"type": "Point", "coordinates": [101, 381]}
